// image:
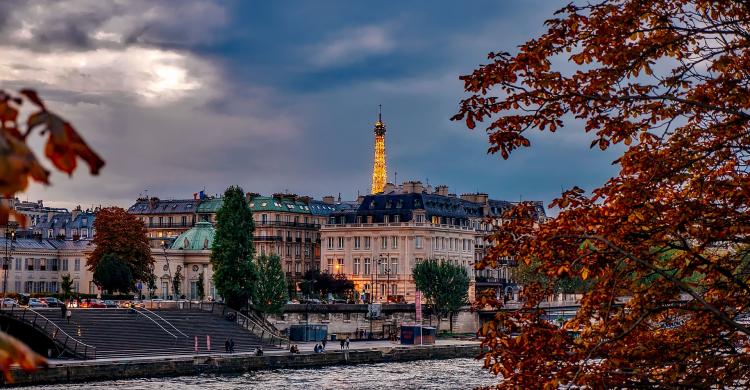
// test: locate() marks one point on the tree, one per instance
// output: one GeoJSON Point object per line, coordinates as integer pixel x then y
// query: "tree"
{"type": "Point", "coordinates": [113, 274]}
{"type": "Point", "coordinates": [151, 284]}
{"type": "Point", "coordinates": [270, 294]}
{"type": "Point", "coordinates": [123, 235]}
{"type": "Point", "coordinates": [177, 283]}
{"type": "Point", "coordinates": [667, 82]}
{"type": "Point", "coordinates": [200, 287]}
{"type": "Point", "coordinates": [444, 286]}
{"type": "Point", "coordinates": [232, 250]}
{"type": "Point", "coordinates": [66, 284]}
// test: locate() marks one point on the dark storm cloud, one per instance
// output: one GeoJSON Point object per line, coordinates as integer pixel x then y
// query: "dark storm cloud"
{"type": "Point", "coordinates": [281, 95]}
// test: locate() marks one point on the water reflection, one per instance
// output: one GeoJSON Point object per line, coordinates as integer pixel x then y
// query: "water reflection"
{"type": "Point", "coordinates": [426, 374]}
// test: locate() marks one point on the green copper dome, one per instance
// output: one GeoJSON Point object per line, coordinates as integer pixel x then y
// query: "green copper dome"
{"type": "Point", "coordinates": [199, 237]}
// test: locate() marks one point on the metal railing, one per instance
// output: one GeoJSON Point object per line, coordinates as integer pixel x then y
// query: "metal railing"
{"type": "Point", "coordinates": [265, 331]}
{"type": "Point", "coordinates": [58, 336]}
{"type": "Point", "coordinates": [167, 322]}
{"type": "Point", "coordinates": [157, 324]}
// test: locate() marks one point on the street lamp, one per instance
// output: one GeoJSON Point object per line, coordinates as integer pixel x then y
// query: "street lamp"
{"type": "Point", "coordinates": [10, 237]}
{"type": "Point", "coordinates": [169, 270]}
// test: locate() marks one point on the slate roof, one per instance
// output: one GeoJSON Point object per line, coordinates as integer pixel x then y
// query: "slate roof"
{"type": "Point", "coordinates": [164, 206]}
{"type": "Point", "coordinates": [268, 203]}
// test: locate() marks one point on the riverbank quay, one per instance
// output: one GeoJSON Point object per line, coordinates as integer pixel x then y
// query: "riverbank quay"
{"type": "Point", "coordinates": [68, 371]}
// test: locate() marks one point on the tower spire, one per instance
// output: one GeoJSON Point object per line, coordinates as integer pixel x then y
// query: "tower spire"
{"type": "Point", "coordinates": [379, 170]}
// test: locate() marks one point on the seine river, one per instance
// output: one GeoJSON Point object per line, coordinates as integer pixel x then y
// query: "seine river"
{"type": "Point", "coordinates": [425, 374]}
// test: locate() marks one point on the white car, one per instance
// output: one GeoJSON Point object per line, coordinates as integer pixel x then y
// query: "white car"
{"type": "Point", "coordinates": [34, 302]}
{"type": "Point", "coordinates": [9, 302]}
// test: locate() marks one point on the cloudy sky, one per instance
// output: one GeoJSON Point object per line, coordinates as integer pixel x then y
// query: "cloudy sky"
{"type": "Point", "coordinates": [181, 95]}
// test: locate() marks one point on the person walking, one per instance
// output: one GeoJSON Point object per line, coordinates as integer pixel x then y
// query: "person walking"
{"type": "Point", "coordinates": [347, 343]}
{"type": "Point", "coordinates": [226, 345]}
{"type": "Point", "coordinates": [68, 314]}
{"type": "Point", "coordinates": [323, 345]}
{"type": "Point", "coordinates": [231, 345]}
{"type": "Point", "coordinates": [63, 310]}
{"type": "Point", "coordinates": [342, 344]}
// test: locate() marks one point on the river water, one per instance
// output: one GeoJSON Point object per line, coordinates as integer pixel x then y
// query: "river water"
{"type": "Point", "coordinates": [425, 374]}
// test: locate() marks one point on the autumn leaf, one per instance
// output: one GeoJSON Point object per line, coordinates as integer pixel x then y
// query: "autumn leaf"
{"type": "Point", "coordinates": [64, 144]}
{"type": "Point", "coordinates": [12, 351]}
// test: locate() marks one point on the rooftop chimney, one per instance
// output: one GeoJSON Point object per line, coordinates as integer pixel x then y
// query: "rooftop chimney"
{"type": "Point", "coordinates": [328, 199]}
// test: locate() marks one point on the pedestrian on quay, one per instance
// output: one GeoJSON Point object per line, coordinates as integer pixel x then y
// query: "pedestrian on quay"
{"type": "Point", "coordinates": [226, 345]}
{"type": "Point", "coordinates": [323, 345]}
{"type": "Point", "coordinates": [63, 310]}
{"type": "Point", "coordinates": [342, 344]}
{"type": "Point", "coordinates": [316, 349]}
{"type": "Point", "coordinates": [347, 342]}
{"type": "Point", "coordinates": [68, 314]}
{"type": "Point", "coordinates": [231, 345]}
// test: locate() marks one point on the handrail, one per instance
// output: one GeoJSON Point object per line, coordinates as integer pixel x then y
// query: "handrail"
{"type": "Point", "coordinates": [157, 324]}
{"type": "Point", "coordinates": [54, 332]}
{"type": "Point", "coordinates": [168, 323]}
{"type": "Point", "coordinates": [274, 336]}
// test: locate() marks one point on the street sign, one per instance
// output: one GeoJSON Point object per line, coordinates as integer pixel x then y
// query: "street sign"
{"type": "Point", "coordinates": [139, 286]}
{"type": "Point", "coordinates": [418, 306]}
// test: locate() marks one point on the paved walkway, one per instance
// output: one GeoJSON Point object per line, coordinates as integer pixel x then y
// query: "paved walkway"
{"type": "Point", "coordinates": [305, 348]}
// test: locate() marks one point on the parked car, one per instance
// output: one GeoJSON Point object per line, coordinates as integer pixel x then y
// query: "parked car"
{"type": "Point", "coordinates": [110, 303]}
{"type": "Point", "coordinates": [10, 302]}
{"type": "Point", "coordinates": [36, 302]}
{"type": "Point", "coordinates": [53, 302]}
{"type": "Point", "coordinates": [92, 303]}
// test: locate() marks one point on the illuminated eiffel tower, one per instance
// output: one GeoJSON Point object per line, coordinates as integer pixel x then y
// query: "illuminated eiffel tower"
{"type": "Point", "coordinates": [379, 170]}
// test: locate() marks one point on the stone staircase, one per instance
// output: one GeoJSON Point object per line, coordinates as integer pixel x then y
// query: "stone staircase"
{"type": "Point", "coordinates": [125, 333]}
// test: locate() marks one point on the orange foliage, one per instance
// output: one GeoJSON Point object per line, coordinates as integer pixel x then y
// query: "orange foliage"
{"type": "Point", "coordinates": [18, 164]}
{"type": "Point", "coordinates": [123, 234]}
{"type": "Point", "coordinates": [669, 80]}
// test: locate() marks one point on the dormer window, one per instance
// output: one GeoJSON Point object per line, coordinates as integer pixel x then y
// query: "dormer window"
{"type": "Point", "coordinates": [388, 204]}
{"type": "Point", "coordinates": [399, 204]}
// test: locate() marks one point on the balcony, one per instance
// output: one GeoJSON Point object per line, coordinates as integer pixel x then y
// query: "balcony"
{"type": "Point", "coordinates": [298, 239]}
{"type": "Point", "coordinates": [308, 240]}
{"type": "Point", "coordinates": [166, 225]}
{"type": "Point", "coordinates": [300, 225]}
{"type": "Point", "coordinates": [398, 224]}
{"type": "Point", "coordinates": [267, 238]}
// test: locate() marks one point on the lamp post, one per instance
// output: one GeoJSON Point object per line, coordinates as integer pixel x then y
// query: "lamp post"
{"type": "Point", "coordinates": [169, 270]}
{"type": "Point", "coordinates": [10, 237]}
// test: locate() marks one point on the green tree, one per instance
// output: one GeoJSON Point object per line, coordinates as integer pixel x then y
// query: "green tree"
{"type": "Point", "coordinates": [112, 274]}
{"type": "Point", "coordinates": [444, 286]}
{"type": "Point", "coordinates": [270, 292]}
{"type": "Point", "coordinates": [177, 283]}
{"type": "Point", "coordinates": [200, 287]}
{"type": "Point", "coordinates": [67, 286]}
{"type": "Point", "coordinates": [151, 283]}
{"type": "Point", "coordinates": [232, 250]}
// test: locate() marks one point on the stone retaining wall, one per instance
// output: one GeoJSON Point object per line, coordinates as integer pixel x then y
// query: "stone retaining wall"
{"type": "Point", "coordinates": [159, 367]}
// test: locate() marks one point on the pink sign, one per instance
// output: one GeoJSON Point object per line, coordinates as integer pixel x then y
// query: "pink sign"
{"type": "Point", "coordinates": [418, 306]}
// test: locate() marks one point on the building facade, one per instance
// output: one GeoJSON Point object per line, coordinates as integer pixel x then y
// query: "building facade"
{"type": "Point", "coordinates": [378, 244]}
{"type": "Point", "coordinates": [165, 219]}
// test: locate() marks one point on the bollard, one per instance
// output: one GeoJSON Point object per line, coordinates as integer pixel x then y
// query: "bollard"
{"type": "Point", "coordinates": [196, 344]}
{"type": "Point", "coordinates": [208, 343]}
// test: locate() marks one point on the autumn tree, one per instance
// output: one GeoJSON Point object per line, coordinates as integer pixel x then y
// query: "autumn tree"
{"type": "Point", "coordinates": [122, 235]}
{"type": "Point", "coordinates": [445, 287]}
{"type": "Point", "coordinates": [668, 82]}
{"type": "Point", "coordinates": [112, 274]}
{"type": "Point", "coordinates": [232, 250]}
{"type": "Point", "coordinates": [18, 165]}
{"type": "Point", "coordinates": [270, 289]}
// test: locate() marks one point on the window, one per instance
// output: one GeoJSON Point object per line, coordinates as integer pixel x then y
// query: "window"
{"type": "Point", "coordinates": [396, 218]}
{"type": "Point", "coordinates": [77, 265]}
{"type": "Point", "coordinates": [340, 266]}
{"type": "Point", "coordinates": [264, 219]}
{"type": "Point", "coordinates": [341, 242]}
{"type": "Point", "coordinates": [49, 233]}
{"type": "Point", "coordinates": [385, 219]}
{"type": "Point", "coordinates": [18, 286]}
{"type": "Point", "coordinates": [356, 242]}
{"type": "Point", "coordinates": [367, 242]}
{"type": "Point", "coordinates": [329, 265]}
{"type": "Point", "coordinates": [355, 271]}
{"type": "Point", "coordinates": [54, 265]}
{"type": "Point", "coordinates": [394, 242]}
{"type": "Point", "coordinates": [297, 267]}
{"type": "Point", "coordinates": [420, 218]}
{"type": "Point", "coordinates": [184, 220]}
{"type": "Point", "coordinates": [384, 242]}
{"type": "Point", "coordinates": [330, 242]}
{"type": "Point", "coordinates": [297, 250]}
{"type": "Point", "coordinates": [288, 250]}
{"type": "Point", "coordinates": [418, 242]}
{"type": "Point", "coordinates": [52, 287]}
{"type": "Point", "coordinates": [394, 266]}
{"type": "Point", "coordinates": [18, 268]}
{"type": "Point", "coordinates": [28, 287]}
{"type": "Point", "coordinates": [42, 265]}
{"type": "Point", "coordinates": [367, 266]}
